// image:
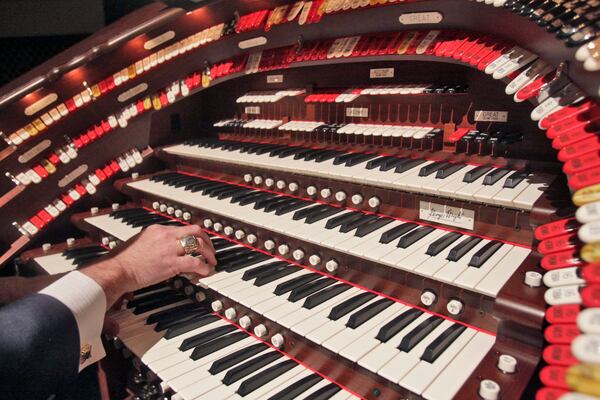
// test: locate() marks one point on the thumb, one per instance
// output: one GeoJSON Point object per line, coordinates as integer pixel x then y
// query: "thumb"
{"type": "Point", "coordinates": [192, 265]}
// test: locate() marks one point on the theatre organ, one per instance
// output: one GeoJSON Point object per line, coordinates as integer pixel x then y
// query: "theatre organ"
{"type": "Point", "coordinates": [403, 195]}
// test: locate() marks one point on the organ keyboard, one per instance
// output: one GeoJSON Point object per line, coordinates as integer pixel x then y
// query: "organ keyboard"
{"type": "Point", "coordinates": [389, 218]}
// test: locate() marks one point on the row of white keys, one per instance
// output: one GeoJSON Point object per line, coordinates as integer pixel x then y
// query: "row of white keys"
{"type": "Point", "coordinates": [55, 263]}
{"type": "Point", "coordinates": [118, 229]}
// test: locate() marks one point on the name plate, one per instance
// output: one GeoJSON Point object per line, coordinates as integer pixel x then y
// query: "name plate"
{"type": "Point", "coordinates": [447, 215]}
{"type": "Point", "coordinates": [361, 112]}
{"type": "Point", "coordinates": [71, 176]}
{"type": "Point", "coordinates": [491, 116]}
{"type": "Point", "coordinates": [34, 151]}
{"type": "Point", "coordinates": [274, 78]}
{"type": "Point", "coordinates": [377, 73]}
{"type": "Point", "coordinates": [252, 110]}
{"type": "Point", "coordinates": [432, 17]}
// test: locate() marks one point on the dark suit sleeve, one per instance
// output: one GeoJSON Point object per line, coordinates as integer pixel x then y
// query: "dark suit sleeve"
{"type": "Point", "coordinates": [39, 348]}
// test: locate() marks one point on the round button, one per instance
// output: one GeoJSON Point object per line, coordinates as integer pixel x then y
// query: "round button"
{"type": "Point", "coordinates": [135, 175]}
{"type": "Point", "coordinates": [283, 249]}
{"type": "Point", "coordinates": [258, 180]}
{"type": "Point", "coordinates": [112, 244]}
{"type": "Point", "coordinates": [374, 202]}
{"type": "Point", "coordinates": [293, 187]}
{"type": "Point", "coordinates": [260, 330]}
{"type": "Point", "coordinates": [280, 184]}
{"type": "Point", "coordinates": [269, 245]}
{"type": "Point", "coordinates": [155, 205]}
{"type": "Point", "coordinates": [188, 290]}
{"type": "Point", "coordinates": [357, 199]}
{"type": "Point", "coordinates": [325, 193]}
{"type": "Point", "coordinates": [311, 190]}
{"type": "Point", "coordinates": [228, 230]}
{"type": "Point", "coordinates": [507, 364]}
{"type": "Point", "coordinates": [248, 178]}
{"type": "Point", "coordinates": [200, 297]}
{"type": "Point", "coordinates": [269, 182]}
{"type": "Point", "coordinates": [428, 297]}
{"type": "Point", "coordinates": [216, 305]}
{"type": "Point", "coordinates": [252, 238]}
{"type": "Point", "coordinates": [277, 340]}
{"type": "Point", "coordinates": [178, 283]}
{"type": "Point", "coordinates": [170, 210]}
{"type": "Point", "coordinates": [533, 279]}
{"type": "Point", "coordinates": [105, 240]}
{"type": "Point", "coordinates": [115, 206]}
{"type": "Point", "coordinates": [162, 208]}
{"type": "Point", "coordinates": [187, 216]}
{"type": "Point", "coordinates": [331, 265]}
{"type": "Point", "coordinates": [207, 223]}
{"type": "Point", "coordinates": [314, 260]}
{"type": "Point", "coordinates": [240, 234]}
{"type": "Point", "coordinates": [298, 254]}
{"type": "Point", "coordinates": [230, 313]}
{"type": "Point", "coordinates": [489, 390]}
{"type": "Point", "coordinates": [70, 242]}
{"type": "Point", "coordinates": [454, 307]}
{"type": "Point", "coordinates": [217, 227]}
{"type": "Point", "coordinates": [178, 213]}
{"type": "Point", "coordinates": [94, 210]}
{"type": "Point", "coordinates": [245, 322]}
{"type": "Point", "coordinates": [46, 246]}
{"type": "Point", "coordinates": [340, 196]}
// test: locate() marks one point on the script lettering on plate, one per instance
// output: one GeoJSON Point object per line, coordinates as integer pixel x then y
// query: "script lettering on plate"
{"type": "Point", "coordinates": [447, 215]}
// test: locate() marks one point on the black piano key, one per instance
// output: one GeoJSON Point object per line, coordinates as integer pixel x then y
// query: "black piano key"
{"type": "Point", "coordinates": [357, 223]}
{"type": "Point", "coordinates": [293, 283]}
{"type": "Point", "coordinates": [171, 322]}
{"type": "Point", "coordinates": [215, 189]}
{"type": "Point", "coordinates": [415, 336]}
{"type": "Point", "coordinates": [151, 288]}
{"type": "Point", "coordinates": [449, 170]}
{"type": "Point", "coordinates": [250, 366]}
{"type": "Point", "coordinates": [184, 182]}
{"type": "Point", "coordinates": [343, 219]}
{"type": "Point", "coordinates": [198, 186]}
{"type": "Point", "coordinates": [303, 153]}
{"type": "Point", "coordinates": [269, 277]}
{"type": "Point", "coordinates": [247, 262]}
{"type": "Point", "coordinates": [225, 189]}
{"type": "Point", "coordinates": [515, 178]}
{"type": "Point", "coordinates": [282, 210]}
{"type": "Point", "coordinates": [433, 167]}
{"type": "Point", "coordinates": [267, 149]}
{"type": "Point", "coordinates": [483, 254]}
{"type": "Point", "coordinates": [236, 357]}
{"type": "Point", "coordinates": [349, 305]}
{"type": "Point", "coordinates": [327, 156]}
{"type": "Point", "coordinates": [84, 252]}
{"type": "Point", "coordinates": [190, 325]}
{"type": "Point", "coordinates": [390, 329]}
{"type": "Point", "coordinates": [266, 376]}
{"type": "Point", "coordinates": [396, 232]}
{"type": "Point", "coordinates": [301, 214]}
{"type": "Point", "coordinates": [413, 236]}
{"type": "Point", "coordinates": [292, 151]}
{"type": "Point", "coordinates": [376, 163]}
{"type": "Point", "coordinates": [326, 213]}
{"type": "Point", "coordinates": [341, 159]}
{"type": "Point", "coordinates": [365, 314]}
{"type": "Point", "coordinates": [129, 211]}
{"type": "Point", "coordinates": [360, 158]}
{"type": "Point", "coordinates": [495, 176]}
{"type": "Point", "coordinates": [372, 226]}
{"type": "Point", "coordinates": [256, 271]}
{"type": "Point", "coordinates": [442, 342]}
{"type": "Point", "coordinates": [274, 206]}
{"type": "Point", "coordinates": [222, 261]}
{"type": "Point", "coordinates": [297, 388]}
{"type": "Point", "coordinates": [205, 337]}
{"type": "Point", "coordinates": [315, 153]}
{"type": "Point", "coordinates": [324, 295]}
{"type": "Point", "coordinates": [440, 244]}
{"type": "Point", "coordinates": [217, 344]}
{"type": "Point", "coordinates": [280, 150]}
{"type": "Point", "coordinates": [307, 289]}
{"type": "Point", "coordinates": [326, 392]}
{"type": "Point", "coordinates": [245, 197]}
{"type": "Point", "coordinates": [168, 313]}
{"type": "Point", "coordinates": [408, 164]}
{"type": "Point", "coordinates": [225, 244]}
{"type": "Point", "coordinates": [475, 174]}
{"type": "Point", "coordinates": [269, 201]}
{"type": "Point", "coordinates": [151, 297]}
{"type": "Point", "coordinates": [253, 199]}
{"type": "Point", "coordinates": [391, 163]}
{"type": "Point", "coordinates": [462, 248]}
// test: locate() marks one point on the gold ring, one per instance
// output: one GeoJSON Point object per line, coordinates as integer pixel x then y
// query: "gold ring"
{"type": "Point", "coordinates": [189, 244]}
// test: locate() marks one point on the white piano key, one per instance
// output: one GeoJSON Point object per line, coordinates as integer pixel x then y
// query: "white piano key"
{"type": "Point", "coordinates": [454, 268]}
{"type": "Point", "coordinates": [472, 276]}
{"type": "Point", "coordinates": [493, 282]}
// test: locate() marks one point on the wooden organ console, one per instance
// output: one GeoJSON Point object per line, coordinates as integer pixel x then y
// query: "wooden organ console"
{"type": "Point", "coordinates": [404, 195]}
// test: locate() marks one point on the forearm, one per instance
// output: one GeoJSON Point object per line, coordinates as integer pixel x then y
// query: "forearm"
{"type": "Point", "coordinates": [15, 288]}
{"type": "Point", "coordinates": [111, 277]}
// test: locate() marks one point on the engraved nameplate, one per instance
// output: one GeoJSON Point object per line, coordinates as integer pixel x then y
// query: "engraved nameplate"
{"type": "Point", "coordinates": [377, 73]}
{"type": "Point", "coordinates": [491, 116]}
{"type": "Point", "coordinates": [274, 78]}
{"type": "Point", "coordinates": [41, 104]}
{"type": "Point", "coordinates": [254, 42]}
{"type": "Point", "coordinates": [447, 215]}
{"type": "Point", "coordinates": [252, 110]}
{"type": "Point", "coordinates": [432, 17]}
{"type": "Point", "coordinates": [360, 112]}
{"type": "Point", "coordinates": [131, 93]}
{"type": "Point", "coordinates": [71, 176]}
{"type": "Point", "coordinates": [34, 151]}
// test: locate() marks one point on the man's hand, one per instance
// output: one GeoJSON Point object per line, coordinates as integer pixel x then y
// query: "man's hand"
{"type": "Point", "coordinates": [151, 257]}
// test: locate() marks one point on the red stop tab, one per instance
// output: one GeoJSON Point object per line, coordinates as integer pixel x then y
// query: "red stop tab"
{"type": "Point", "coordinates": [578, 110]}
{"type": "Point", "coordinates": [100, 174]}
{"type": "Point", "coordinates": [590, 296]}
{"type": "Point", "coordinates": [578, 164]}
{"type": "Point", "coordinates": [41, 171]}
{"type": "Point", "coordinates": [585, 178]}
{"type": "Point", "coordinates": [496, 52]}
{"type": "Point", "coordinates": [53, 158]}
{"type": "Point", "coordinates": [37, 221]}
{"type": "Point", "coordinates": [559, 354]}
{"type": "Point", "coordinates": [580, 148]}
{"type": "Point", "coordinates": [44, 216]}
{"type": "Point", "coordinates": [533, 89]}
{"type": "Point", "coordinates": [556, 228]}
{"type": "Point", "coordinates": [563, 314]}
{"type": "Point", "coordinates": [108, 171]}
{"type": "Point", "coordinates": [554, 376]}
{"type": "Point", "coordinates": [70, 103]}
{"type": "Point", "coordinates": [577, 134]}
{"type": "Point", "coordinates": [561, 333]}
{"type": "Point", "coordinates": [591, 273]}
{"type": "Point", "coordinates": [548, 393]}
{"type": "Point", "coordinates": [562, 259]}
{"type": "Point", "coordinates": [458, 134]}
{"type": "Point", "coordinates": [140, 106]}
{"type": "Point", "coordinates": [80, 189]}
{"type": "Point", "coordinates": [571, 125]}
{"type": "Point", "coordinates": [115, 166]}
{"type": "Point", "coordinates": [85, 139]}
{"type": "Point", "coordinates": [68, 200]}
{"type": "Point", "coordinates": [559, 243]}
{"type": "Point", "coordinates": [482, 42]}
{"type": "Point", "coordinates": [105, 127]}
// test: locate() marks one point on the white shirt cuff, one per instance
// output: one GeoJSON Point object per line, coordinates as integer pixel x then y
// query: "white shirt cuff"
{"type": "Point", "coordinates": [87, 301]}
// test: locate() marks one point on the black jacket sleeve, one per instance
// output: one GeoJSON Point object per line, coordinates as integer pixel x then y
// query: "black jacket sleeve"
{"type": "Point", "coordinates": [39, 348]}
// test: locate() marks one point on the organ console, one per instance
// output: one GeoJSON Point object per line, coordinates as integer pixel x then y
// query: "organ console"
{"type": "Point", "coordinates": [389, 219]}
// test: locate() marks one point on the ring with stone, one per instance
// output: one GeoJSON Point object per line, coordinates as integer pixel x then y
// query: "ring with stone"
{"type": "Point", "coordinates": [189, 244]}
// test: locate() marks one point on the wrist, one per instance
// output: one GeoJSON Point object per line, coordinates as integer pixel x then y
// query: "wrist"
{"type": "Point", "coordinates": [112, 278]}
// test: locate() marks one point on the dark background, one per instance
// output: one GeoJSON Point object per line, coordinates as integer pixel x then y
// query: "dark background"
{"type": "Point", "coordinates": [32, 31]}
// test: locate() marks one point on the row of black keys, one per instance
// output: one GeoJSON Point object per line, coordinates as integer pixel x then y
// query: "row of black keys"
{"type": "Point", "coordinates": [576, 22]}
{"type": "Point", "coordinates": [139, 217]}
{"type": "Point", "coordinates": [442, 169]}
{"type": "Point", "coordinates": [85, 254]}
{"type": "Point", "coordinates": [406, 234]}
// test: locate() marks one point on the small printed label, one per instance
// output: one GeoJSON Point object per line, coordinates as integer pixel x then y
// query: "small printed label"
{"type": "Point", "coordinates": [447, 215]}
{"type": "Point", "coordinates": [433, 17]}
{"type": "Point", "coordinates": [252, 110]}
{"type": "Point", "coordinates": [274, 78]}
{"type": "Point", "coordinates": [491, 116]}
{"type": "Point", "coordinates": [360, 112]}
{"type": "Point", "coordinates": [377, 73]}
